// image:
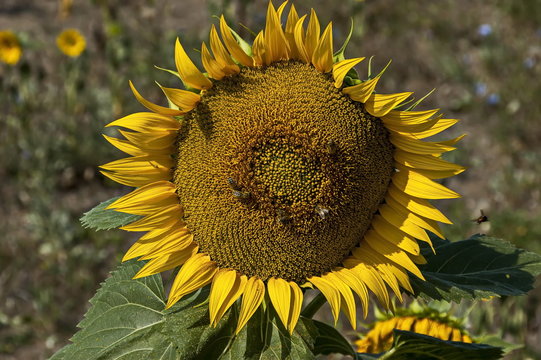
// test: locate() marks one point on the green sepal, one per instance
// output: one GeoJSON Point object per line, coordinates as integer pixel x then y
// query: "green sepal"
{"type": "Point", "coordinates": [100, 218]}
{"type": "Point", "coordinates": [186, 86]}
{"type": "Point", "coordinates": [477, 268]}
{"type": "Point", "coordinates": [339, 55]}
{"type": "Point", "coordinates": [247, 48]}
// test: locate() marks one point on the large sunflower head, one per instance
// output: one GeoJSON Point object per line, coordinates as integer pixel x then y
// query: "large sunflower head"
{"type": "Point", "coordinates": [10, 48]}
{"type": "Point", "coordinates": [278, 170]}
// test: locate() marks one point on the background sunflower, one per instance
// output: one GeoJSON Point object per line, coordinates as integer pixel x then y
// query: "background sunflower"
{"type": "Point", "coordinates": [481, 57]}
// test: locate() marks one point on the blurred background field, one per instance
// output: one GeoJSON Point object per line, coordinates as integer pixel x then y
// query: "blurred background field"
{"type": "Point", "coordinates": [483, 58]}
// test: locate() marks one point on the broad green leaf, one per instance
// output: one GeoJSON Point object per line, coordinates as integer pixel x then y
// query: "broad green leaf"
{"type": "Point", "coordinates": [188, 327]}
{"type": "Point", "coordinates": [125, 321]}
{"type": "Point", "coordinates": [100, 218]}
{"type": "Point", "coordinates": [479, 267]}
{"type": "Point", "coordinates": [409, 345]}
{"type": "Point", "coordinates": [264, 337]}
{"type": "Point", "coordinates": [330, 341]}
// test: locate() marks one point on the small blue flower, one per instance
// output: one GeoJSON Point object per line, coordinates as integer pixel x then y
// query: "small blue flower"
{"type": "Point", "coordinates": [529, 62]}
{"type": "Point", "coordinates": [480, 89]}
{"type": "Point", "coordinates": [493, 99]}
{"type": "Point", "coordinates": [484, 30]}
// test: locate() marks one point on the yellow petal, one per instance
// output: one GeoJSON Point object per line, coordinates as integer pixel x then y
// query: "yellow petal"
{"type": "Point", "coordinates": [159, 142]}
{"type": "Point", "coordinates": [356, 285]}
{"type": "Point", "coordinates": [254, 292]}
{"type": "Point", "coordinates": [368, 274]}
{"type": "Point", "coordinates": [427, 224]}
{"type": "Point", "coordinates": [232, 45]}
{"type": "Point", "coordinates": [441, 125]}
{"type": "Point", "coordinates": [395, 275]}
{"type": "Point", "coordinates": [340, 70]}
{"type": "Point", "coordinates": [379, 105]}
{"type": "Point", "coordinates": [146, 122]}
{"type": "Point", "coordinates": [187, 71]}
{"type": "Point", "coordinates": [330, 292]}
{"type": "Point", "coordinates": [258, 49]}
{"type": "Point", "coordinates": [312, 35]}
{"type": "Point", "coordinates": [384, 269]}
{"type": "Point", "coordinates": [125, 146]}
{"type": "Point", "coordinates": [420, 186]}
{"type": "Point", "coordinates": [418, 146]}
{"type": "Point", "coordinates": [153, 107]}
{"type": "Point", "coordinates": [410, 130]}
{"type": "Point", "coordinates": [280, 10]}
{"type": "Point", "coordinates": [280, 295]}
{"type": "Point", "coordinates": [174, 242]}
{"type": "Point", "coordinates": [347, 302]}
{"type": "Point", "coordinates": [452, 141]}
{"type": "Point", "coordinates": [395, 117]}
{"type": "Point", "coordinates": [403, 222]}
{"type": "Point", "coordinates": [185, 100]}
{"type": "Point", "coordinates": [436, 174]}
{"type": "Point", "coordinates": [362, 92]}
{"type": "Point", "coordinates": [137, 180]}
{"type": "Point", "coordinates": [147, 199]}
{"type": "Point", "coordinates": [213, 68]}
{"type": "Point", "coordinates": [300, 40]}
{"type": "Point", "coordinates": [427, 162]}
{"type": "Point", "coordinates": [143, 246]}
{"type": "Point", "coordinates": [376, 244]}
{"type": "Point", "coordinates": [220, 53]}
{"type": "Point", "coordinates": [292, 20]}
{"type": "Point", "coordinates": [227, 286]}
{"type": "Point", "coordinates": [140, 165]}
{"type": "Point", "coordinates": [322, 58]}
{"type": "Point", "coordinates": [276, 47]}
{"type": "Point", "coordinates": [197, 272]}
{"type": "Point", "coordinates": [154, 220]}
{"type": "Point", "coordinates": [296, 306]}
{"type": "Point", "coordinates": [417, 205]}
{"type": "Point", "coordinates": [166, 262]}
{"type": "Point", "coordinates": [393, 235]}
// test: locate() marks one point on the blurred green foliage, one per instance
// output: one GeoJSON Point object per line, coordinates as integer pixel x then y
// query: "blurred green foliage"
{"type": "Point", "coordinates": [483, 58]}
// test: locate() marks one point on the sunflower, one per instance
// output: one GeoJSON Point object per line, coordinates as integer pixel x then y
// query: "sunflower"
{"type": "Point", "coordinates": [71, 42]}
{"type": "Point", "coordinates": [10, 48]}
{"type": "Point", "coordinates": [272, 173]}
{"type": "Point", "coordinates": [431, 323]}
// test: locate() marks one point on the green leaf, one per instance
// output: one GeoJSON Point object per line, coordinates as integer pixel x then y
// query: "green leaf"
{"type": "Point", "coordinates": [476, 268]}
{"type": "Point", "coordinates": [409, 345]}
{"type": "Point", "coordinates": [100, 218]}
{"type": "Point", "coordinates": [188, 326]}
{"type": "Point", "coordinates": [125, 321]}
{"type": "Point", "coordinates": [264, 337]}
{"type": "Point", "coordinates": [330, 341]}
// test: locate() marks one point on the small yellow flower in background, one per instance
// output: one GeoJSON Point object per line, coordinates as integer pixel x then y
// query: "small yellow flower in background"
{"type": "Point", "coordinates": [10, 48]}
{"type": "Point", "coordinates": [71, 42]}
{"type": "Point", "coordinates": [380, 337]}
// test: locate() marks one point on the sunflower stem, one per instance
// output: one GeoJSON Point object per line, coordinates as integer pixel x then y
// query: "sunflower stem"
{"type": "Point", "coordinates": [312, 308]}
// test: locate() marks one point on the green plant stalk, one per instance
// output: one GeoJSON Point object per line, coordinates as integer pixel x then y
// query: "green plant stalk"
{"type": "Point", "coordinates": [312, 308]}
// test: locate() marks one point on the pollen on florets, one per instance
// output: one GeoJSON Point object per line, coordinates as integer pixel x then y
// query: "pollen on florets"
{"type": "Point", "coordinates": [279, 172]}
